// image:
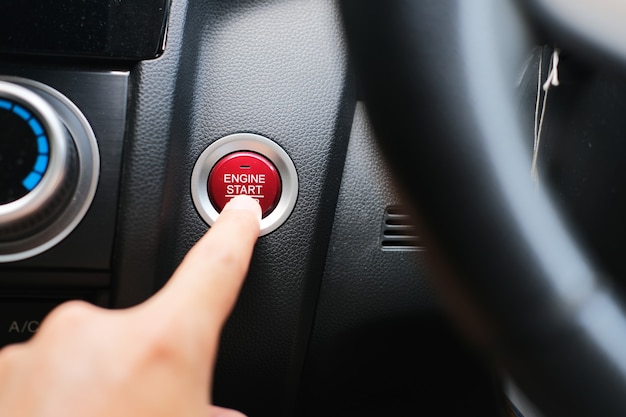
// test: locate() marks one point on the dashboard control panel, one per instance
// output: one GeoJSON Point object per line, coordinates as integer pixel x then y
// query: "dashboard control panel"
{"type": "Point", "coordinates": [62, 135]}
{"type": "Point", "coordinates": [61, 141]}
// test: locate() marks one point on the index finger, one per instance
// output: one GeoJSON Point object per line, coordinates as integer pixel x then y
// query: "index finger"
{"type": "Point", "coordinates": [207, 282]}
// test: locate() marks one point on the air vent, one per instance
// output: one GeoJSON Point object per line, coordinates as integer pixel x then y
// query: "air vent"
{"type": "Point", "coordinates": [399, 231]}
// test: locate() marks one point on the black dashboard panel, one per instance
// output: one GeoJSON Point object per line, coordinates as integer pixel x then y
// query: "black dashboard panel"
{"type": "Point", "coordinates": [129, 29]}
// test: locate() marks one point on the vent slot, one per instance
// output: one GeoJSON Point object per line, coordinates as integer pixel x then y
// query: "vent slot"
{"type": "Point", "coordinates": [399, 231]}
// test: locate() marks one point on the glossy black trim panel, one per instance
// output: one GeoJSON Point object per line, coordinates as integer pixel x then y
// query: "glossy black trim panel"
{"type": "Point", "coordinates": [129, 29]}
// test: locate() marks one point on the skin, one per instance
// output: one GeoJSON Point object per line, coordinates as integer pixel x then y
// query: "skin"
{"type": "Point", "coordinates": [155, 359]}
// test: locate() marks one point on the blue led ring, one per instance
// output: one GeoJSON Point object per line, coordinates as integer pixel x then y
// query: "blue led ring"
{"type": "Point", "coordinates": [43, 147]}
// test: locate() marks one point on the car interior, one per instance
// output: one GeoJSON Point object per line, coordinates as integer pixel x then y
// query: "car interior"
{"type": "Point", "coordinates": [440, 184]}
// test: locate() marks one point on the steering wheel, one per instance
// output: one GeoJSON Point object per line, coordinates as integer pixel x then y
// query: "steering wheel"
{"type": "Point", "coordinates": [438, 80]}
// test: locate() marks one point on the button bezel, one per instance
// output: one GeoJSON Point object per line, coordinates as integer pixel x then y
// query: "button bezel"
{"type": "Point", "coordinates": [246, 142]}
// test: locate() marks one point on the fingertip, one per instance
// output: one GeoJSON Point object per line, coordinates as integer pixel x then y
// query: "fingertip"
{"type": "Point", "coordinates": [215, 411]}
{"type": "Point", "coordinates": [244, 203]}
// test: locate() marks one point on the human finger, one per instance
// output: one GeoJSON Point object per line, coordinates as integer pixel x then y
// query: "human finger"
{"type": "Point", "coordinates": [206, 284]}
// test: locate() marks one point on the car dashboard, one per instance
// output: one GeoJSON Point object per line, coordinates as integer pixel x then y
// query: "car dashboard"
{"type": "Point", "coordinates": [338, 315]}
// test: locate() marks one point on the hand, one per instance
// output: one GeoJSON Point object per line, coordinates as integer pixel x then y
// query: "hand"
{"type": "Point", "coordinates": [155, 359]}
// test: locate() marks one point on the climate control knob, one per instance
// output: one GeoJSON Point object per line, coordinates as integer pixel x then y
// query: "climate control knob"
{"type": "Point", "coordinates": [38, 162]}
{"type": "Point", "coordinates": [49, 167]}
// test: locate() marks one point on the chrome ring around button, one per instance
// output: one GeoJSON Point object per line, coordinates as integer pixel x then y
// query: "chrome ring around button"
{"type": "Point", "coordinates": [246, 142]}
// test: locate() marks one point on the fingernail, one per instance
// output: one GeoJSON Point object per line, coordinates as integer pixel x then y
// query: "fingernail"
{"type": "Point", "coordinates": [246, 203]}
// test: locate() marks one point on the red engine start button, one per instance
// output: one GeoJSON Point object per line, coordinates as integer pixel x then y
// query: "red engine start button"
{"type": "Point", "coordinates": [245, 173]}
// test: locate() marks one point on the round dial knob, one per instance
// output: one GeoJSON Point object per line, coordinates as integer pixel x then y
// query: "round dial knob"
{"type": "Point", "coordinates": [38, 163]}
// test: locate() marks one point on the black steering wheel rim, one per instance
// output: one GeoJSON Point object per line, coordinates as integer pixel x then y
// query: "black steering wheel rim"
{"type": "Point", "coordinates": [438, 83]}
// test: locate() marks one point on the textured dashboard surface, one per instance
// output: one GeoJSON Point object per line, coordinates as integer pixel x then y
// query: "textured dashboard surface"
{"type": "Point", "coordinates": [380, 344]}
